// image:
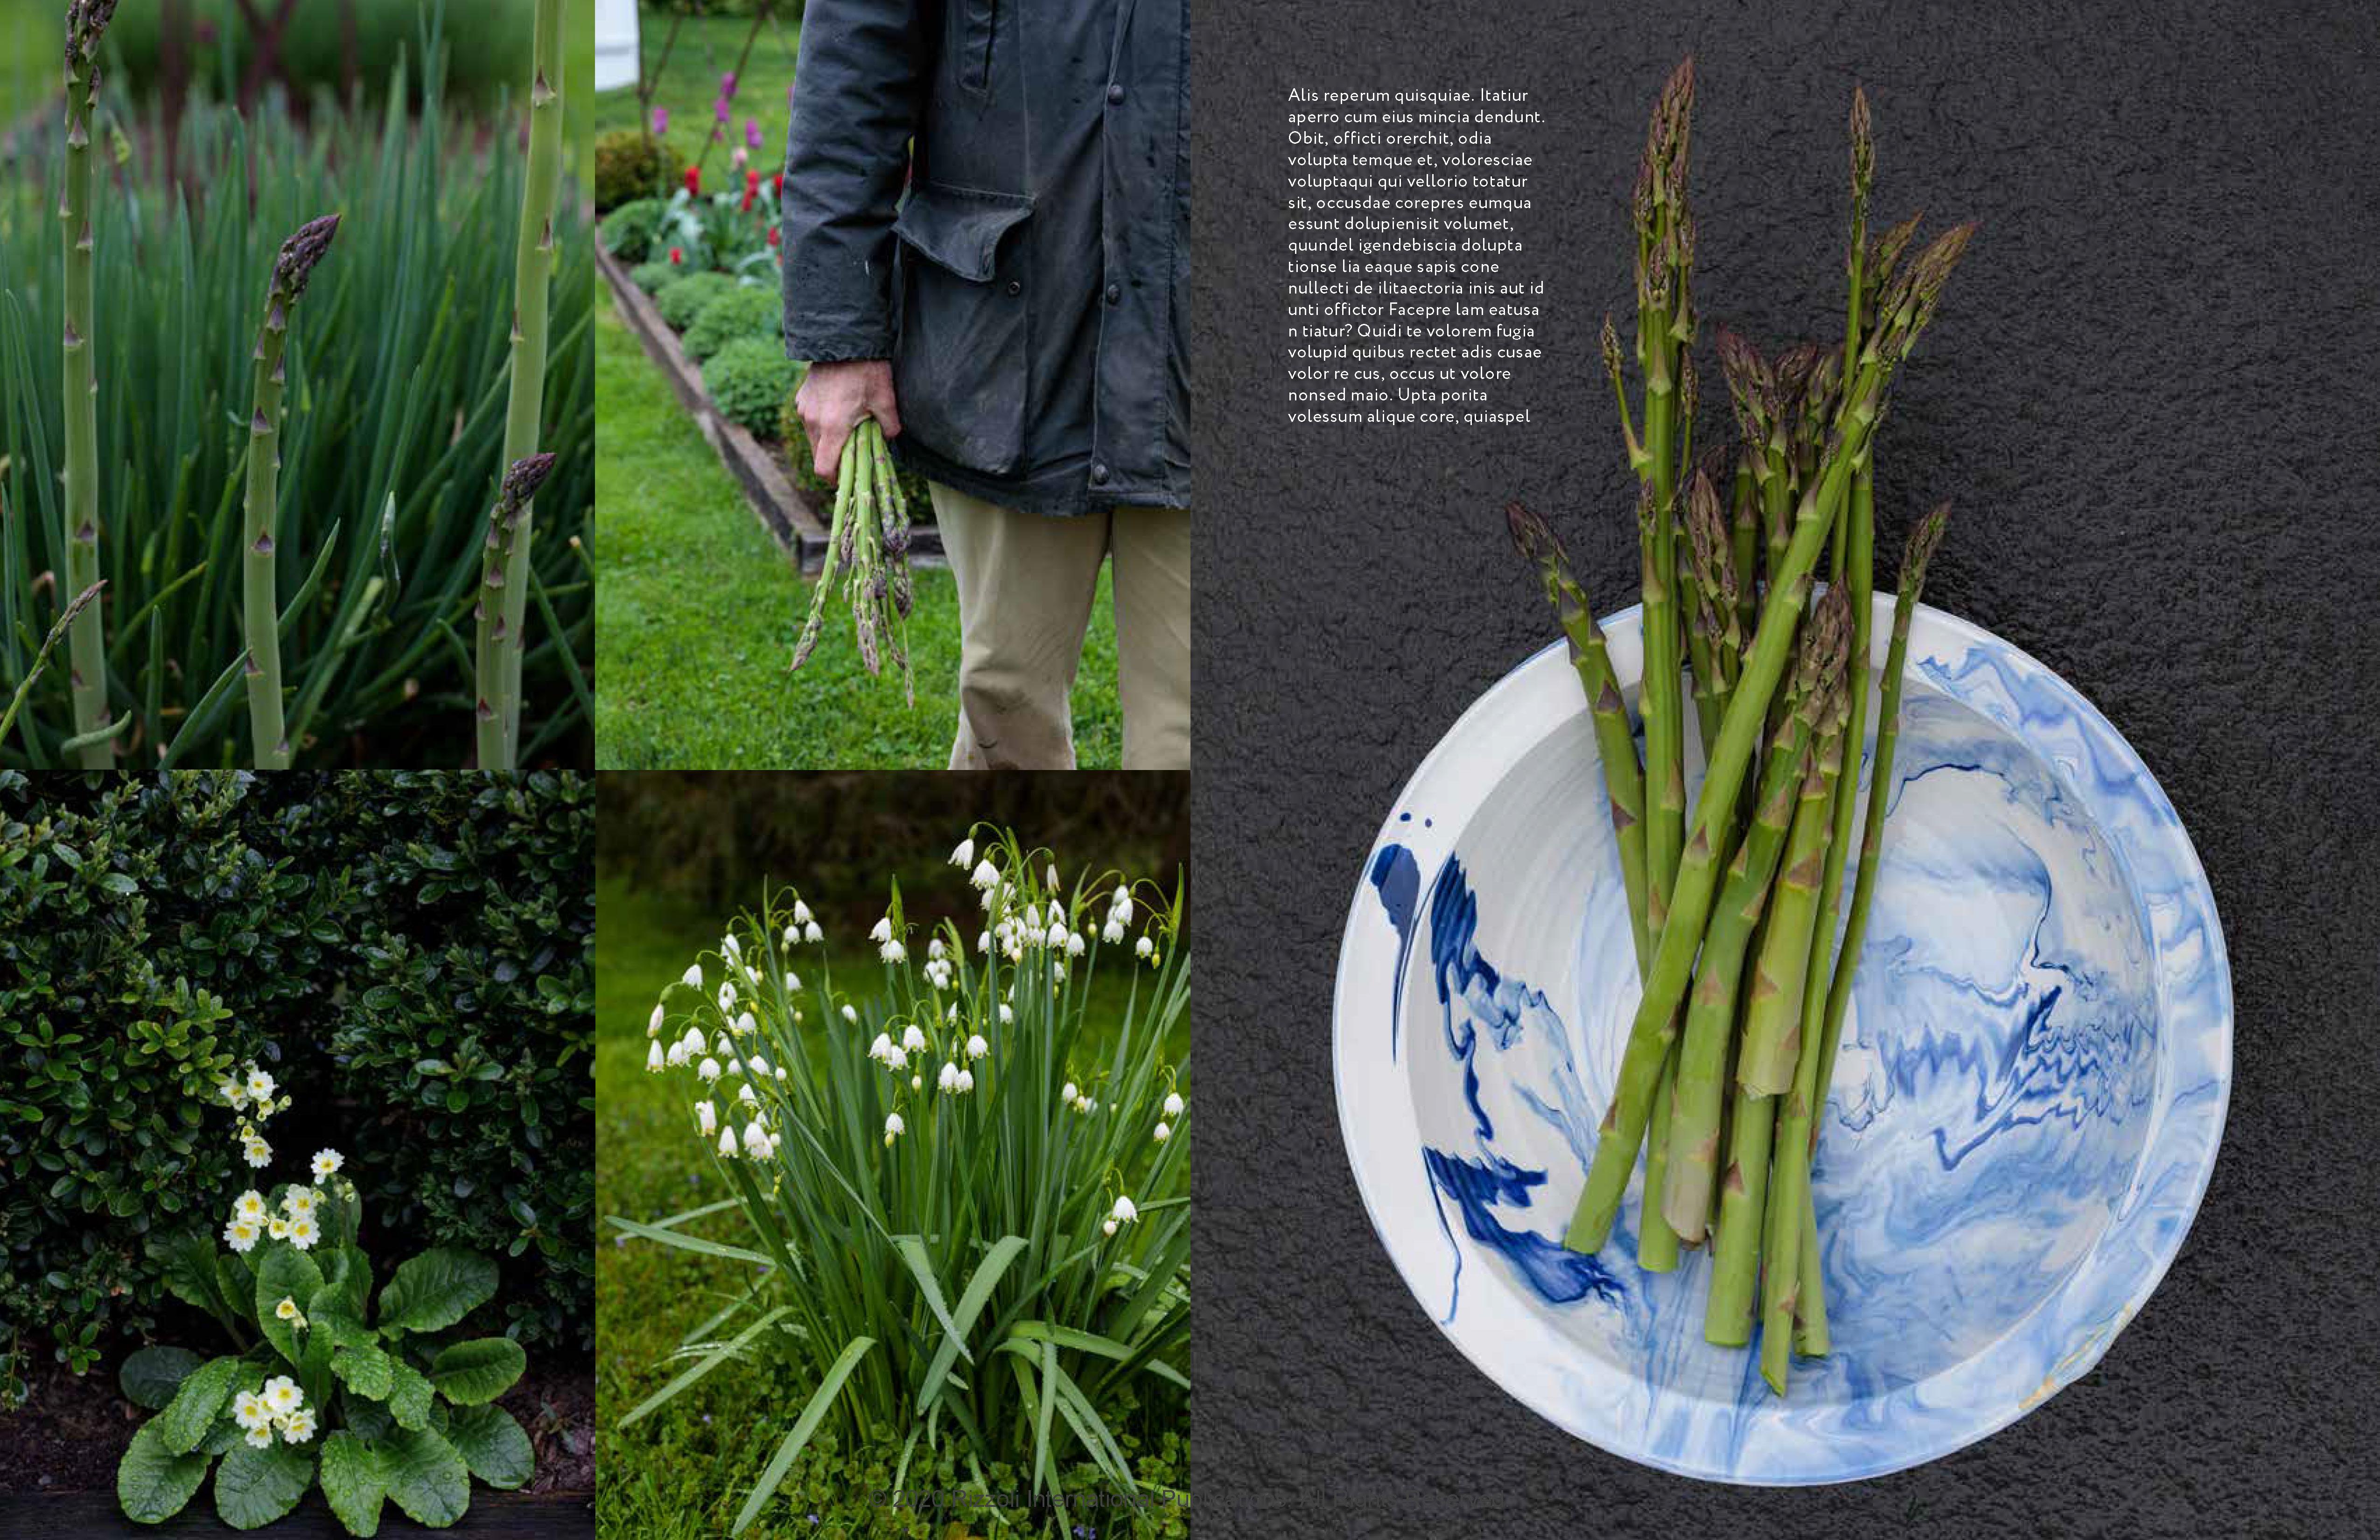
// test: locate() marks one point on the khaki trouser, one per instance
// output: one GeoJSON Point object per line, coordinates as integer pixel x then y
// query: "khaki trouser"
{"type": "Point", "coordinates": [1025, 585]}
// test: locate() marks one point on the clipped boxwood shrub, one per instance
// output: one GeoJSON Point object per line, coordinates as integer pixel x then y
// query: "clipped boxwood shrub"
{"type": "Point", "coordinates": [629, 165]}
{"type": "Point", "coordinates": [681, 301]}
{"type": "Point", "coordinates": [631, 231]}
{"type": "Point", "coordinates": [797, 456]}
{"type": "Point", "coordinates": [156, 930]}
{"type": "Point", "coordinates": [650, 276]}
{"type": "Point", "coordinates": [745, 311]}
{"type": "Point", "coordinates": [748, 382]}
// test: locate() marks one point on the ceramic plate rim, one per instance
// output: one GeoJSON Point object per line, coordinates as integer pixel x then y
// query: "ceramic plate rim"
{"type": "Point", "coordinates": [1622, 629]}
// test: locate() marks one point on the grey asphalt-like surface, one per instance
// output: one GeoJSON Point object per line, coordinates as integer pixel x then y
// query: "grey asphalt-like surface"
{"type": "Point", "coordinates": [2151, 394]}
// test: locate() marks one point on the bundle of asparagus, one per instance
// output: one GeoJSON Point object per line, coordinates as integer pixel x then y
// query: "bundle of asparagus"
{"type": "Point", "coordinates": [867, 545]}
{"type": "Point", "coordinates": [1735, 904]}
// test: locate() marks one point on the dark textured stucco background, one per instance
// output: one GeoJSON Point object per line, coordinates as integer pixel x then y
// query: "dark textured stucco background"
{"type": "Point", "coordinates": [2152, 392]}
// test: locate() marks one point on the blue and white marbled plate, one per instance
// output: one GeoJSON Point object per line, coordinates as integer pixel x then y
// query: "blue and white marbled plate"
{"type": "Point", "coordinates": [2030, 1094]}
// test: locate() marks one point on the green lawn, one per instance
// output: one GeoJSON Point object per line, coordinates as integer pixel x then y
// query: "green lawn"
{"type": "Point", "coordinates": [708, 47]}
{"type": "Point", "coordinates": [29, 65]}
{"type": "Point", "coordinates": [685, 1470]}
{"type": "Point", "coordinates": [696, 610]}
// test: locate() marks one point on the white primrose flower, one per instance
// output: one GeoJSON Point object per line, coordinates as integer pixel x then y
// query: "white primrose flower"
{"type": "Point", "coordinates": [851, 1015]}
{"type": "Point", "coordinates": [304, 1232]}
{"type": "Point", "coordinates": [912, 1039]}
{"type": "Point", "coordinates": [801, 913]}
{"type": "Point", "coordinates": [1123, 1212]}
{"type": "Point", "coordinates": [1173, 1104]}
{"type": "Point", "coordinates": [298, 1200]}
{"type": "Point", "coordinates": [327, 1163]}
{"type": "Point", "coordinates": [248, 1205]}
{"type": "Point", "coordinates": [256, 1152]}
{"type": "Point", "coordinates": [709, 1070]}
{"type": "Point", "coordinates": [1107, 1227]}
{"type": "Point", "coordinates": [882, 930]}
{"type": "Point", "coordinates": [241, 1235]}
{"type": "Point", "coordinates": [1161, 1133]}
{"type": "Point", "coordinates": [727, 1143]}
{"type": "Point", "coordinates": [755, 1142]}
{"type": "Point", "coordinates": [653, 1026]}
{"type": "Point", "coordinates": [707, 1117]}
{"type": "Point", "coordinates": [748, 1097]}
{"type": "Point", "coordinates": [261, 1437]}
{"type": "Point", "coordinates": [963, 856]}
{"type": "Point", "coordinates": [282, 1395]}
{"type": "Point", "coordinates": [248, 1409]}
{"type": "Point", "coordinates": [985, 875]}
{"type": "Point", "coordinates": [692, 978]}
{"type": "Point", "coordinates": [277, 1228]}
{"type": "Point", "coordinates": [893, 1128]}
{"type": "Point", "coordinates": [298, 1426]}
{"type": "Point", "coordinates": [977, 1047]}
{"type": "Point", "coordinates": [260, 1084]}
{"type": "Point", "coordinates": [892, 952]}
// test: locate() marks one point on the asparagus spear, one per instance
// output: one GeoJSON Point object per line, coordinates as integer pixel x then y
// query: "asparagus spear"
{"type": "Point", "coordinates": [1743, 533]}
{"type": "Point", "coordinates": [532, 297]}
{"type": "Point", "coordinates": [838, 545]}
{"type": "Point", "coordinates": [87, 638]}
{"type": "Point", "coordinates": [1615, 743]}
{"type": "Point", "coordinates": [1911, 304]}
{"type": "Point", "coordinates": [1693, 1143]}
{"type": "Point", "coordinates": [496, 638]}
{"type": "Point", "coordinates": [261, 606]}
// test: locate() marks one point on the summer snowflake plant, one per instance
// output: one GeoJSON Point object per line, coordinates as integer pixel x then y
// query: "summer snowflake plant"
{"type": "Point", "coordinates": [967, 1191]}
{"type": "Point", "coordinates": [396, 1409]}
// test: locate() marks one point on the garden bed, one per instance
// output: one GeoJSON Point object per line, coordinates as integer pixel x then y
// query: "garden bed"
{"type": "Point", "coordinates": [793, 518]}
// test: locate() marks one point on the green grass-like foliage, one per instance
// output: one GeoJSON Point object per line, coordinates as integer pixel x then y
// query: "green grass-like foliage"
{"type": "Point", "coordinates": [680, 302]}
{"type": "Point", "coordinates": [995, 1270]}
{"type": "Point", "coordinates": [748, 381]}
{"type": "Point", "coordinates": [746, 310]}
{"type": "Point", "coordinates": [397, 1394]}
{"type": "Point", "coordinates": [390, 444]}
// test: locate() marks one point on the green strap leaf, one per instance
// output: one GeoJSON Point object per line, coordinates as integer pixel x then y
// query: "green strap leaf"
{"type": "Point", "coordinates": [971, 1303]}
{"type": "Point", "coordinates": [1067, 1337]}
{"type": "Point", "coordinates": [150, 1376]}
{"type": "Point", "coordinates": [254, 1486]}
{"type": "Point", "coordinates": [492, 1445]}
{"type": "Point", "coordinates": [1089, 1427]}
{"type": "Point", "coordinates": [911, 1250]}
{"type": "Point", "coordinates": [184, 1423]}
{"type": "Point", "coordinates": [708, 1361]}
{"type": "Point", "coordinates": [812, 1414]}
{"type": "Point", "coordinates": [475, 1372]}
{"type": "Point", "coordinates": [351, 1484]}
{"type": "Point", "coordinates": [691, 1243]}
{"type": "Point", "coordinates": [152, 1483]}
{"type": "Point", "coordinates": [436, 1288]}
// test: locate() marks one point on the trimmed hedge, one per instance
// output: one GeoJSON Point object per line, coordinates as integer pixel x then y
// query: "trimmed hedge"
{"type": "Point", "coordinates": [743, 312]}
{"type": "Point", "coordinates": [748, 379]}
{"type": "Point", "coordinates": [630, 165]}
{"type": "Point", "coordinates": [408, 953]}
{"type": "Point", "coordinates": [680, 302]}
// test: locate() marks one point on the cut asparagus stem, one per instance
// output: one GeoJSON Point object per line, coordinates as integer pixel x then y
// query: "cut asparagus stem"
{"type": "Point", "coordinates": [1656, 1243]}
{"type": "Point", "coordinates": [1900, 322]}
{"type": "Point", "coordinates": [1703, 1055]}
{"type": "Point", "coordinates": [87, 637]}
{"type": "Point", "coordinates": [1658, 698]}
{"type": "Point", "coordinates": [260, 602]}
{"type": "Point", "coordinates": [1735, 1242]}
{"type": "Point", "coordinates": [1615, 742]}
{"type": "Point", "coordinates": [1789, 1181]}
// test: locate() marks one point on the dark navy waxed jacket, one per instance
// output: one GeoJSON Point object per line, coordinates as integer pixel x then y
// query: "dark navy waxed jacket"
{"type": "Point", "coordinates": [1031, 288]}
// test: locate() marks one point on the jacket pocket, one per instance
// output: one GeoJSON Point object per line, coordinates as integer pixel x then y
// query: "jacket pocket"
{"type": "Point", "coordinates": [959, 363]}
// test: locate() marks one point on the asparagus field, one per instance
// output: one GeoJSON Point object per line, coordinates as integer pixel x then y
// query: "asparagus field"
{"type": "Point", "coordinates": [1735, 903]}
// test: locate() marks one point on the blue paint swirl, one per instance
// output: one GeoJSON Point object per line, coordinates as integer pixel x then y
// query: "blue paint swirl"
{"type": "Point", "coordinates": [1396, 877]}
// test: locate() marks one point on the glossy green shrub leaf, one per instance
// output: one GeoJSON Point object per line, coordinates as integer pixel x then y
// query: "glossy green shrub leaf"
{"type": "Point", "coordinates": [478, 1370]}
{"type": "Point", "coordinates": [492, 1445]}
{"type": "Point", "coordinates": [152, 1483]}
{"type": "Point", "coordinates": [151, 1377]}
{"type": "Point", "coordinates": [254, 1486]}
{"type": "Point", "coordinates": [191, 1412]}
{"type": "Point", "coordinates": [436, 1288]}
{"type": "Point", "coordinates": [351, 1483]}
{"type": "Point", "coordinates": [425, 1476]}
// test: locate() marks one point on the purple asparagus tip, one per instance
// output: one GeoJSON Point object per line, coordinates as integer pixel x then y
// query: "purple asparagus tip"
{"type": "Point", "coordinates": [299, 255]}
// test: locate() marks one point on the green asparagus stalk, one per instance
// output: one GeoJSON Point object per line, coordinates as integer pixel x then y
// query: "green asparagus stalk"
{"type": "Point", "coordinates": [1657, 1241]}
{"type": "Point", "coordinates": [1862, 182]}
{"type": "Point", "coordinates": [1910, 308]}
{"type": "Point", "coordinates": [1701, 1094]}
{"type": "Point", "coordinates": [87, 638]}
{"type": "Point", "coordinates": [1660, 703]}
{"type": "Point", "coordinates": [532, 299]}
{"type": "Point", "coordinates": [58, 629]}
{"type": "Point", "coordinates": [261, 606]}
{"type": "Point", "coordinates": [1744, 533]}
{"type": "Point", "coordinates": [1790, 1216]}
{"type": "Point", "coordinates": [899, 595]}
{"type": "Point", "coordinates": [838, 541]}
{"type": "Point", "coordinates": [1615, 742]}
{"type": "Point", "coordinates": [507, 525]}
{"type": "Point", "coordinates": [1714, 578]}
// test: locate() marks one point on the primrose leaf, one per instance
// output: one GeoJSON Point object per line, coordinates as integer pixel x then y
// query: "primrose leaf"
{"type": "Point", "coordinates": [473, 1373]}
{"type": "Point", "coordinates": [286, 1273]}
{"type": "Point", "coordinates": [425, 1476]}
{"type": "Point", "coordinates": [152, 1483]}
{"type": "Point", "coordinates": [492, 1445]}
{"type": "Point", "coordinates": [367, 1371]}
{"type": "Point", "coordinates": [254, 1486]}
{"type": "Point", "coordinates": [351, 1483]}
{"type": "Point", "coordinates": [151, 1377]}
{"type": "Point", "coordinates": [408, 1397]}
{"type": "Point", "coordinates": [436, 1288]}
{"type": "Point", "coordinates": [183, 1425]}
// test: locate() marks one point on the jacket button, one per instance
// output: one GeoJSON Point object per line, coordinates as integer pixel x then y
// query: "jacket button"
{"type": "Point", "coordinates": [1014, 286]}
{"type": "Point", "coordinates": [1115, 292]}
{"type": "Point", "coordinates": [1115, 94]}
{"type": "Point", "coordinates": [1099, 476]}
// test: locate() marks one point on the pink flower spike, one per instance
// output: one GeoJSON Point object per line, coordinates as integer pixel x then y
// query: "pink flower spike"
{"type": "Point", "coordinates": [660, 120]}
{"type": "Point", "coordinates": [752, 135]}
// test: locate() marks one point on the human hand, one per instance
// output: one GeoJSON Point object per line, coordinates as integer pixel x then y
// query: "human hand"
{"type": "Point", "coordinates": [833, 398]}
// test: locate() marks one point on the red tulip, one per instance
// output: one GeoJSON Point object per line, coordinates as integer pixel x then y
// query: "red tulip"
{"type": "Point", "coordinates": [678, 256]}
{"type": "Point", "coordinates": [694, 180]}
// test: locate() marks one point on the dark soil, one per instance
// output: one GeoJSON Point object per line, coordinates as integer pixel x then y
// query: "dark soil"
{"type": "Point", "coordinates": [72, 1432]}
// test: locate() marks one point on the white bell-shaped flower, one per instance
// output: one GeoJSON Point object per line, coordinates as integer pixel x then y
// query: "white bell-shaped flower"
{"type": "Point", "coordinates": [1173, 1104]}
{"type": "Point", "coordinates": [964, 855]}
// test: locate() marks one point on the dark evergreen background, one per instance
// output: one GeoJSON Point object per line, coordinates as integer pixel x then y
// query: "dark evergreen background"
{"type": "Point", "coordinates": [2152, 393]}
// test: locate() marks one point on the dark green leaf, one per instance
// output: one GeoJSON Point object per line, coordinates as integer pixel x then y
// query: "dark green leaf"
{"type": "Point", "coordinates": [478, 1371]}
{"type": "Point", "coordinates": [285, 1273]}
{"type": "Point", "coordinates": [409, 1396]}
{"type": "Point", "coordinates": [254, 1486]}
{"type": "Point", "coordinates": [436, 1288]}
{"type": "Point", "coordinates": [492, 1445]}
{"type": "Point", "coordinates": [186, 1417]}
{"type": "Point", "coordinates": [367, 1371]}
{"type": "Point", "coordinates": [152, 1483]}
{"type": "Point", "coordinates": [151, 1377]}
{"type": "Point", "coordinates": [351, 1483]}
{"type": "Point", "coordinates": [424, 1476]}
